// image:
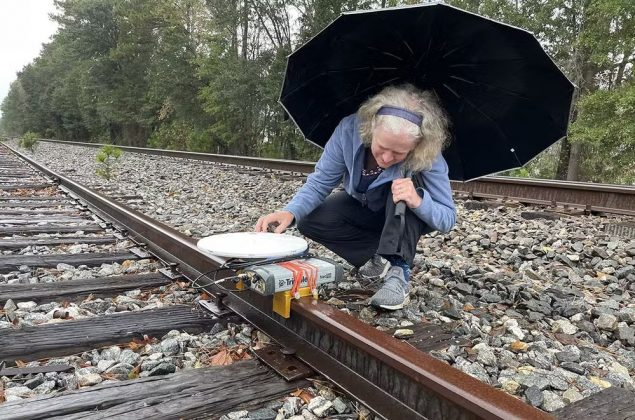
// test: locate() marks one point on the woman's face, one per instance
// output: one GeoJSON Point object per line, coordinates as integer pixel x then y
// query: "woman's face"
{"type": "Point", "coordinates": [389, 148]}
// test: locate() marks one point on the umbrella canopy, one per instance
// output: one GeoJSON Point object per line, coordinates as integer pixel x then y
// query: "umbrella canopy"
{"type": "Point", "coordinates": [506, 98]}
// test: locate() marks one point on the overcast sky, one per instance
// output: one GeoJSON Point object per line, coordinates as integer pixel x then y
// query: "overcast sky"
{"type": "Point", "coordinates": [24, 26]}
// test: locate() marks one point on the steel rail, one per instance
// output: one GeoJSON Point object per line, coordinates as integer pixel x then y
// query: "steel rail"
{"type": "Point", "coordinates": [395, 380]}
{"type": "Point", "coordinates": [606, 198]}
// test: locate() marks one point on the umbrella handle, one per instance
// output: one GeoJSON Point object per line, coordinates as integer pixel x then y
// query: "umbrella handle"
{"type": "Point", "coordinates": [400, 207]}
{"type": "Point", "coordinates": [400, 211]}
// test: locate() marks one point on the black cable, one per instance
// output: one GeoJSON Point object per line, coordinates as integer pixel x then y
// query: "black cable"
{"type": "Point", "coordinates": [228, 265]}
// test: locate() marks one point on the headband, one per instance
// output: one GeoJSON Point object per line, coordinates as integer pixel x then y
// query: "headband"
{"type": "Point", "coordinates": [416, 119]}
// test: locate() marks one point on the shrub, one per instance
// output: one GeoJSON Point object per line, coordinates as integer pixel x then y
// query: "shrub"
{"type": "Point", "coordinates": [29, 141]}
{"type": "Point", "coordinates": [107, 160]}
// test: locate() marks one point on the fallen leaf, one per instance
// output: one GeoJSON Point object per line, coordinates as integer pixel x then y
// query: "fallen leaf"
{"type": "Point", "coordinates": [519, 346]}
{"type": "Point", "coordinates": [306, 396]}
{"type": "Point", "coordinates": [136, 343]}
{"type": "Point", "coordinates": [134, 373]}
{"type": "Point", "coordinates": [20, 363]}
{"type": "Point", "coordinates": [566, 339]}
{"type": "Point", "coordinates": [222, 358]}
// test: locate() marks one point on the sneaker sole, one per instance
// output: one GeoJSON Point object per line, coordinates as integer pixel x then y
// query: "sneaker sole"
{"type": "Point", "coordinates": [395, 307]}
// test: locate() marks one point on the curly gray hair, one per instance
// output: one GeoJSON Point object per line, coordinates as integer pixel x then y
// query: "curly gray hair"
{"type": "Point", "coordinates": [430, 138]}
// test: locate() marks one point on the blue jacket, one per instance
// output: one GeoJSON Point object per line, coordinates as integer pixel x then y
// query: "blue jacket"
{"type": "Point", "coordinates": [343, 160]}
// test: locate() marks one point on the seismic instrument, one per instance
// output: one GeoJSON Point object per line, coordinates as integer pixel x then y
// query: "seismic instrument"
{"type": "Point", "coordinates": [270, 264]}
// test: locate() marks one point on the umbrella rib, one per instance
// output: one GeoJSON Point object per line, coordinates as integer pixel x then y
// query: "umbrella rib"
{"type": "Point", "coordinates": [507, 91]}
{"type": "Point", "coordinates": [450, 52]}
{"type": "Point", "coordinates": [464, 80]}
{"type": "Point", "coordinates": [487, 63]}
{"type": "Point", "coordinates": [512, 149]}
{"type": "Point", "coordinates": [425, 54]}
{"type": "Point", "coordinates": [368, 47]}
{"type": "Point", "coordinates": [357, 94]}
{"type": "Point", "coordinates": [495, 87]}
{"type": "Point", "coordinates": [359, 69]}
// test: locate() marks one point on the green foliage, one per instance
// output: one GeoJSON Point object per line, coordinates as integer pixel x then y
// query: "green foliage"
{"type": "Point", "coordinates": [606, 125]}
{"type": "Point", "coordinates": [107, 159]}
{"type": "Point", "coordinates": [28, 141]}
{"type": "Point", "coordinates": [205, 75]}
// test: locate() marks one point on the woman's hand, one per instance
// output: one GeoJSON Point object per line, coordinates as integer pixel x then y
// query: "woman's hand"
{"type": "Point", "coordinates": [280, 218]}
{"type": "Point", "coordinates": [404, 190]}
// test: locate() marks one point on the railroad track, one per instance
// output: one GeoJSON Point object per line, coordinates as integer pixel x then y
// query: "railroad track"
{"type": "Point", "coordinates": [391, 377]}
{"type": "Point", "coordinates": [588, 197]}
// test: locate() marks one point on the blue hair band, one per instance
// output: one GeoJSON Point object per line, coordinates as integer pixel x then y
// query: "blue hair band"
{"type": "Point", "coordinates": [416, 119]}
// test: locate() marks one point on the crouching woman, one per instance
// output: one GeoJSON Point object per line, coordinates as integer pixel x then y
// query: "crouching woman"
{"type": "Point", "coordinates": [401, 130]}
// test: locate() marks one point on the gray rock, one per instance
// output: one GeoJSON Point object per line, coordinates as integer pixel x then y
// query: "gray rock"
{"type": "Point", "coordinates": [18, 391]}
{"type": "Point", "coordinates": [571, 395]}
{"type": "Point", "coordinates": [534, 396]}
{"type": "Point", "coordinates": [292, 406]}
{"type": "Point", "coordinates": [464, 288]}
{"type": "Point", "coordinates": [624, 271]}
{"type": "Point", "coordinates": [627, 314]}
{"type": "Point", "coordinates": [104, 365]}
{"type": "Point", "coordinates": [563, 326]}
{"type": "Point", "coordinates": [552, 401]}
{"type": "Point", "coordinates": [307, 415]}
{"type": "Point", "coordinates": [320, 406]}
{"type": "Point", "coordinates": [170, 346]}
{"type": "Point", "coordinates": [87, 378]}
{"type": "Point", "coordinates": [567, 356]}
{"type": "Point", "coordinates": [111, 353]}
{"type": "Point", "coordinates": [626, 333]}
{"type": "Point", "coordinates": [573, 367]}
{"type": "Point", "coordinates": [606, 322]}
{"type": "Point", "coordinates": [472, 369]}
{"type": "Point", "coordinates": [539, 306]}
{"type": "Point", "coordinates": [403, 333]}
{"type": "Point", "coordinates": [532, 380]}
{"type": "Point", "coordinates": [120, 371]}
{"type": "Point", "coordinates": [507, 359]}
{"type": "Point", "coordinates": [35, 382]}
{"type": "Point", "coordinates": [128, 356]}
{"type": "Point", "coordinates": [485, 354]}
{"type": "Point", "coordinates": [163, 369]}
{"type": "Point", "coordinates": [262, 414]}
{"type": "Point", "coordinates": [491, 297]}
{"type": "Point", "coordinates": [45, 387]}
{"type": "Point", "coordinates": [27, 306]}
{"type": "Point", "coordinates": [340, 406]}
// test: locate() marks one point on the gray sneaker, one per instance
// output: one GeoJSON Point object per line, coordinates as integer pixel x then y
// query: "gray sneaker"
{"type": "Point", "coordinates": [394, 294]}
{"type": "Point", "coordinates": [375, 268]}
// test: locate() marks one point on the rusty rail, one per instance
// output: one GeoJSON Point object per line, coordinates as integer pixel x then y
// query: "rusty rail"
{"type": "Point", "coordinates": [606, 198]}
{"type": "Point", "coordinates": [393, 379]}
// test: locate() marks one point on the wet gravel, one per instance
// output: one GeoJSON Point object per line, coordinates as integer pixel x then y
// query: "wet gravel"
{"type": "Point", "coordinates": [543, 304]}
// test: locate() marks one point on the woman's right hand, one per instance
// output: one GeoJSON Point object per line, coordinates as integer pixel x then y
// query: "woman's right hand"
{"type": "Point", "coordinates": [280, 218]}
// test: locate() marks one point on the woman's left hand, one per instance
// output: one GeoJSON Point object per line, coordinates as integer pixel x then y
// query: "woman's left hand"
{"type": "Point", "coordinates": [404, 190]}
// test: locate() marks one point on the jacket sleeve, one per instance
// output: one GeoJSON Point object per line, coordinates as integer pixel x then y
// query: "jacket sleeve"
{"type": "Point", "coordinates": [328, 173]}
{"type": "Point", "coordinates": [437, 207]}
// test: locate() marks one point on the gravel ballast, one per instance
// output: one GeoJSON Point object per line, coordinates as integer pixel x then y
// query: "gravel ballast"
{"type": "Point", "coordinates": [544, 303]}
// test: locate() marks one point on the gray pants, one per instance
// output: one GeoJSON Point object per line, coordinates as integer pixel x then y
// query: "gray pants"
{"type": "Point", "coordinates": [356, 233]}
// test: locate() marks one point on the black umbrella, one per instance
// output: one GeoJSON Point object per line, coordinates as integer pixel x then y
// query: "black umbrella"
{"type": "Point", "coordinates": [506, 98]}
